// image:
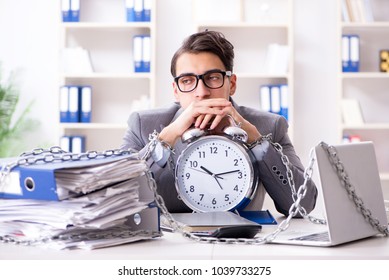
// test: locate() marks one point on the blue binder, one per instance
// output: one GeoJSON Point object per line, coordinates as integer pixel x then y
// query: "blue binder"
{"type": "Point", "coordinates": [284, 100]}
{"type": "Point", "coordinates": [64, 104]}
{"type": "Point", "coordinates": [275, 96]}
{"type": "Point", "coordinates": [147, 10]}
{"type": "Point", "coordinates": [74, 104]}
{"type": "Point", "coordinates": [86, 104]}
{"type": "Point", "coordinates": [130, 12]}
{"type": "Point", "coordinates": [77, 144]}
{"type": "Point", "coordinates": [350, 53]}
{"type": "Point", "coordinates": [38, 181]}
{"type": "Point", "coordinates": [65, 10]}
{"type": "Point", "coordinates": [65, 143]}
{"type": "Point", "coordinates": [345, 53]}
{"type": "Point", "coordinates": [354, 53]}
{"type": "Point", "coordinates": [75, 10]}
{"type": "Point", "coordinates": [137, 53]}
{"type": "Point", "coordinates": [265, 98]}
{"type": "Point", "coordinates": [138, 10]}
{"type": "Point", "coordinates": [146, 53]}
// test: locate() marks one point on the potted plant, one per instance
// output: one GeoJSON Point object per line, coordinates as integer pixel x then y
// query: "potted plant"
{"type": "Point", "coordinates": [13, 128]}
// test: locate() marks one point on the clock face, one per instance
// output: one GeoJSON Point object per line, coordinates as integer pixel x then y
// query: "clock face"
{"type": "Point", "coordinates": [214, 174]}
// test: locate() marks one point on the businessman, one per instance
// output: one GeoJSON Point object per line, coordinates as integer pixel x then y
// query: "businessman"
{"type": "Point", "coordinates": [203, 86]}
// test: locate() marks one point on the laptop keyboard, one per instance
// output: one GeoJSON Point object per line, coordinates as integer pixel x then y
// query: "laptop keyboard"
{"type": "Point", "coordinates": [322, 236]}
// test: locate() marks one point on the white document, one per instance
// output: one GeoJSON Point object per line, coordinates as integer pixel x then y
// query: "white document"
{"type": "Point", "coordinates": [351, 112]}
{"type": "Point", "coordinates": [76, 61]}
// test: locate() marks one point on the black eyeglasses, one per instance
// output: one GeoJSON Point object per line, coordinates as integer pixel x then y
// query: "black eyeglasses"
{"type": "Point", "coordinates": [212, 79]}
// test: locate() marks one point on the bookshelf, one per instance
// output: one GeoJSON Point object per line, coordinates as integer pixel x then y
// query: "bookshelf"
{"type": "Point", "coordinates": [369, 86]}
{"type": "Point", "coordinates": [103, 30]}
{"type": "Point", "coordinates": [252, 27]}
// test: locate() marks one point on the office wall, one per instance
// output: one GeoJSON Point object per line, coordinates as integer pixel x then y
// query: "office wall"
{"type": "Point", "coordinates": [30, 38]}
{"type": "Point", "coordinates": [316, 63]}
{"type": "Point", "coordinates": [29, 43]}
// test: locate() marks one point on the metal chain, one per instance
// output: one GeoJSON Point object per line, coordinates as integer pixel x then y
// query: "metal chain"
{"type": "Point", "coordinates": [289, 174]}
{"type": "Point", "coordinates": [53, 154]}
{"type": "Point", "coordinates": [346, 182]}
{"type": "Point", "coordinates": [294, 209]}
{"type": "Point", "coordinates": [56, 154]}
{"type": "Point", "coordinates": [153, 141]}
{"type": "Point", "coordinates": [123, 232]}
{"type": "Point", "coordinates": [286, 163]}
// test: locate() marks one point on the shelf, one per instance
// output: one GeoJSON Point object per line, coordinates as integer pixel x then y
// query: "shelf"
{"type": "Point", "coordinates": [242, 25]}
{"type": "Point", "coordinates": [103, 25]}
{"type": "Point", "coordinates": [132, 75]}
{"type": "Point", "coordinates": [369, 86]}
{"type": "Point", "coordinates": [365, 75]}
{"type": "Point", "coordinates": [82, 126]}
{"type": "Point", "coordinates": [382, 24]}
{"type": "Point", "coordinates": [259, 32]}
{"type": "Point", "coordinates": [117, 90]}
{"type": "Point", "coordinates": [367, 126]}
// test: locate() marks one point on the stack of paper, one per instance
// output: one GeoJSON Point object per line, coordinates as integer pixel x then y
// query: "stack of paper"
{"type": "Point", "coordinates": [80, 204]}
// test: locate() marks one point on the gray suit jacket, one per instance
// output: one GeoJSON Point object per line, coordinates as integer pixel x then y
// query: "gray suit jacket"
{"type": "Point", "coordinates": [271, 169]}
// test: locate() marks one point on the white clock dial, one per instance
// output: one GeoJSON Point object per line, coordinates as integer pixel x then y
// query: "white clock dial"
{"type": "Point", "coordinates": [214, 173]}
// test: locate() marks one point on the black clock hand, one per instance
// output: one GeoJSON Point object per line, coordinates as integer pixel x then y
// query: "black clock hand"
{"type": "Point", "coordinates": [212, 174]}
{"type": "Point", "coordinates": [228, 172]}
{"type": "Point", "coordinates": [217, 181]}
{"type": "Point", "coordinates": [206, 170]}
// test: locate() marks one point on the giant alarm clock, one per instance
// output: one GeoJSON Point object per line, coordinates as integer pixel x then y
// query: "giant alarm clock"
{"type": "Point", "coordinates": [216, 172]}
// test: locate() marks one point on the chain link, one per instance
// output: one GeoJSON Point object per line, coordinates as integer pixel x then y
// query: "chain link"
{"type": "Point", "coordinates": [346, 182]}
{"type": "Point", "coordinates": [56, 154]}
{"type": "Point", "coordinates": [294, 209]}
{"type": "Point", "coordinates": [86, 235]}
{"type": "Point", "coordinates": [153, 141]}
{"type": "Point", "coordinates": [53, 154]}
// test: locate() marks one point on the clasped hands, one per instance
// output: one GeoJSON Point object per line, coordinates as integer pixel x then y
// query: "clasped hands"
{"type": "Point", "coordinates": [207, 114]}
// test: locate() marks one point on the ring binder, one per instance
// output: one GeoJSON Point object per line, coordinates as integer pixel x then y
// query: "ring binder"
{"type": "Point", "coordinates": [86, 201]}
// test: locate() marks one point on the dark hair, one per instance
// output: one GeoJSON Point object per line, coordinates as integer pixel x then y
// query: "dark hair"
{"type": "Point", "coordinates": [206, 41]}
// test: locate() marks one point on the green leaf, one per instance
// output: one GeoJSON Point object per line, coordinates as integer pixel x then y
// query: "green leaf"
{"type": "Point", "coordinates": [13, 134]}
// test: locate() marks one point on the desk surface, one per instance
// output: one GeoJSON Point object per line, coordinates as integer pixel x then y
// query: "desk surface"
{"type": "Point", "coordinates": [174, 246]}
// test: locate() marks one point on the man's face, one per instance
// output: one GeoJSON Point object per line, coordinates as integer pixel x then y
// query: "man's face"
{"type": "Point", "coordinates": [199, 64]}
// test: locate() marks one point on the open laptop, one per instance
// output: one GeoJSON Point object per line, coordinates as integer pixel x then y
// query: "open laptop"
{"type": "Point", "coordinates": [344, 222]}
